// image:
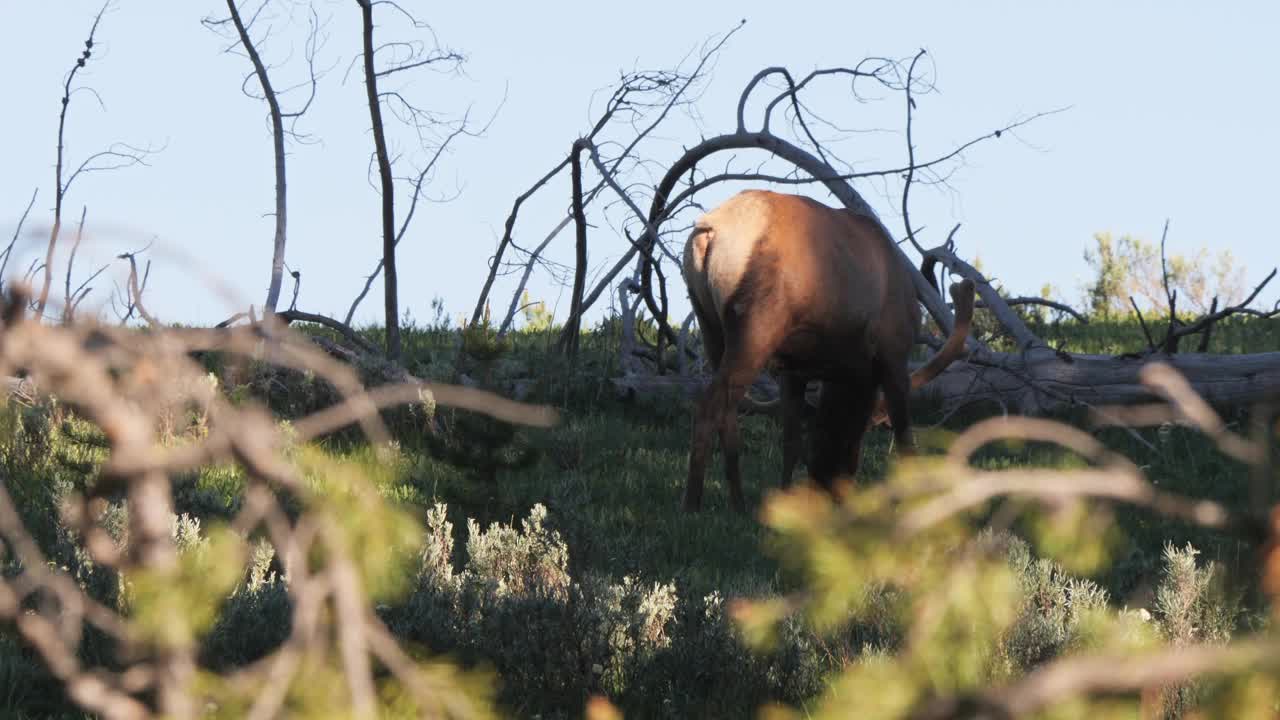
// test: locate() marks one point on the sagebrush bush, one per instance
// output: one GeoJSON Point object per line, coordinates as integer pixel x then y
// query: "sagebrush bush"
{"type": "Point", "coordinates": [1192, 605]}
{"type": "Point", "coordinates": [509, 602]}
{"type": "Point", "coordinates": [254, 620]}
{"type": "Point", "coordinates": [1054, 604]}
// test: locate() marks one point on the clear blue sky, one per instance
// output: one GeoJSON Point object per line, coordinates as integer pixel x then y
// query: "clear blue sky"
{"type": "Point", "coordinates": [1173, 115]}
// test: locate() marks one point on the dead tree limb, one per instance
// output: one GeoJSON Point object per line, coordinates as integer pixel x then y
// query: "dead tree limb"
{"type": "Point", "coordinates": [1039, 383]}
{"type": "Point", "coordinates": [297, 286]}
{"type": "Point", "coordinates": [1241, 308]}
{"type": "Point", "coordinates": [513, 308]}
{"type": "Point", "coordinates": [343, 329]}
{"type": "Point", "coordinates": [671, 89]}
{"type": "Point", "coordinates": [496, 261]}
{"type": "Point", "coordinates": [419, 183]}
{"type": "Point", "coordinates": [127, 305]}
{"type": "Point", "coordinates": [821, 171]}
{"type": "Point", "coordinates": [1170, 343]}
{"type": "Point", "coordinates": [911, 155]}
{"type": "Point", "coordinates": [1044, 302]}
{"type": "Point", "coordinates": [73, 298]}
{"type": "Point", "coordinates": [71, 263]}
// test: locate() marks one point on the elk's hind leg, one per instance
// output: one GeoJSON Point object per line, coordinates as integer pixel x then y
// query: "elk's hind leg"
{"type": "Point", "coordinates": [896, 384]}
{"type": "Point", "coordinates": [791, 401]}
{"type": "Point", "coordinates": [749, 343]}
{"type": "Point", "coordinates": [731, 446]}
{"type": "Point", "coordinates": [718, 410]}
{"type": "Point", "coordinates": [842, 420]}
{"type": "Point", "coordinates": [706, 417]}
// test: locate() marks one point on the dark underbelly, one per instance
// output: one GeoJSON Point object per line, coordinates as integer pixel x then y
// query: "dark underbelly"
{"type": "Point", "coordinates": [815, 355]}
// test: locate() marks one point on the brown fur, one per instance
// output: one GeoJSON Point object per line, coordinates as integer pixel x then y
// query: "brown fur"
{"type": "Point", "coordinates": [820, 292]}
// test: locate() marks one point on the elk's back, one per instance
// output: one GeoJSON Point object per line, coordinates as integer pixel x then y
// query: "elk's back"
{"type": "Point", "coordinates": [826, 265]}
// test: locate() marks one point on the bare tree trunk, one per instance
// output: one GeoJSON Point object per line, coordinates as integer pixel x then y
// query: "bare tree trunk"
{"type": "Point", "coordinates": [569, 336]}
{"type": "Point", "coordinates": [277, 138]}
{"type": "Point", "coordinates": [386, 182]}
{"type": "Point", "coordinates": [17, 232]}
{"type": "Point", "coordinates": [505, 242]}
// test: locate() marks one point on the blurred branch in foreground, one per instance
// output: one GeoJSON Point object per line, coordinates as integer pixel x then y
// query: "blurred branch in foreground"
{"type": "Point", "coordinates": [126, 381]}
{"type": "Point", "coordinates": [916, 533]}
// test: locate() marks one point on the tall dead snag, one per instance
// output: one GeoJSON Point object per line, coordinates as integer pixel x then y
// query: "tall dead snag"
{"type": "Point", "coordinates": [423, 122]}
{"type": "Point", "coordinates": [117, 156]}
{"type": "Point", "coordinates": [391, 303]}
{"type": "Point", "coordinates": [279, 133]}
{"type": "Point", "coordinates": [569, 336]}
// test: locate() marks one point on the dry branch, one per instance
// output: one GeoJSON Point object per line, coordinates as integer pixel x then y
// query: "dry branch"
{"type": "Point", "coordinates": [1043, 302]}
{"type": "Point", "coordinates": [17, 232]}
{"type": "Point", "coordinates": [344, 329]}
{"type": "Point", "coordinates": [1204, 323]}
{"type": "Point", "coordinates": [418, 182]}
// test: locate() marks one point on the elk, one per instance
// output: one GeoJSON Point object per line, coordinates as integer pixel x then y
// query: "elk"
{"type": "Point", "coordinates": [819, 292]}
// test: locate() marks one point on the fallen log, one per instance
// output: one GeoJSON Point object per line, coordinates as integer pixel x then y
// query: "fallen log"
{"type": "Point", "coordinates": [1041, 382]}
{"type": "Point", "coordinates": [1046, 382]}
